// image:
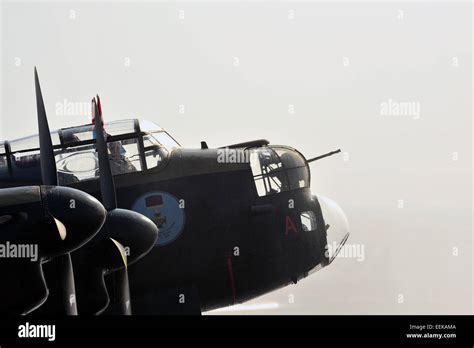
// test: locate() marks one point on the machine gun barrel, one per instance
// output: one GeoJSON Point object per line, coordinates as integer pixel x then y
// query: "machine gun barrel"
{"type": "Point", "coordinates": [322, 156]}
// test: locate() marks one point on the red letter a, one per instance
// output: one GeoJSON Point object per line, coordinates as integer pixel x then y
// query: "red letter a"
{"type": "Point", "coordinates": [289, 225]}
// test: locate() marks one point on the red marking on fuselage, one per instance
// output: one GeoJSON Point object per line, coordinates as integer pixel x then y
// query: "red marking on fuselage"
{"type": "Point", "coordinates": [289, 225]}
{"type": "Point", "coordinates": [231, 276]}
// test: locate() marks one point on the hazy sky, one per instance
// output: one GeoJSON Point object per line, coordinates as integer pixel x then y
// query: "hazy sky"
{"type": "Point", "coordinates": [388, 83]}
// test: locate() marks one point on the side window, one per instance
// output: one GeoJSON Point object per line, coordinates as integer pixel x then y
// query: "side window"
{"type": "Point", "coordinates": [166, 140]}
{"type": "Point", "coordinates": [155, 154]}
{"type": "Point", "coordinates": [154, 158]}
{"type": "Point", "coordinates": [124, 156]}
{"type": "Point", "coordinates": [3, 163]}
{"type": "Point", "coordinates": [308, 220]}
{"type": "Point", "coordinates": [269, 175]}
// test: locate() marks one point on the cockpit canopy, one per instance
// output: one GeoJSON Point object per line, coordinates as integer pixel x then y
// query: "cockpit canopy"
{"type": "Point", "coordinates": [133, 146]}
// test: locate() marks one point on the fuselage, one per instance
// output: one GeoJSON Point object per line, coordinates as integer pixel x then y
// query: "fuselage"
{"type": "Point", "coordinates": [229, 231]}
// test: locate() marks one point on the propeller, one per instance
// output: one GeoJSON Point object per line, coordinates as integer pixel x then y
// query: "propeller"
{"type": "Point", "coordinates": [49, 176]}
{"type": "Point", "coordinates": [107, 185]}
{"type": "Point", "coordinates": [62, 287]}
{"type": "Point", "coordinates": [105, 252]}
{"type": "Point", "coordinates": [49, 173]}
{"type": "Point", "coordinates": [99, 257]}
{"type": "Point", "coordinates": [41, 217]}
{"type": "Point", "coordinates": [28, 222]}
{"type": "Point", "coordinates": [109, 198]}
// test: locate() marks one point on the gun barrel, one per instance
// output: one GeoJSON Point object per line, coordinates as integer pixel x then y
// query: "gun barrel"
{"type": "Point", "coordinates": [322, 156]}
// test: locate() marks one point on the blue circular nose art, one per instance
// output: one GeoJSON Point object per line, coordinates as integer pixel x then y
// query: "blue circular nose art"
{"type": "Point", "coordinates": [164, 210]}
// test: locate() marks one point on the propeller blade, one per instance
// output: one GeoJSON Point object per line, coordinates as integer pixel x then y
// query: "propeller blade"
{"type": "Point", "coordinates": [48, 163]}
{"type": "Point", "coordinates": [107, 185]}
{"type": "Point", "coordinates": [49, 175]}
{"type": "Point", "coordinates": [104, 256]}
{"type": "Point", "coordinates": [92, 292]}
{"type": "Point", "coordinates": [110, 201]}
{"type": "Point", "coordinates": [122, 292]}
{"type": "Point", "coordinates": [23, 286]}
{"type": "Point", "coordinates": [119, 221]}
{"type": "Point", "coordinates": [122, 288]}
{"type": "Point", "coordinates": [139, 243]}
{"type": "Point", "coordinates": [38, 219]}
{"type": "Point", "coordinates": [99, 106]}
{"type": "Point", "coordinates": [100, 256]}
{"type": "Point", "coordinates": [68, 288]}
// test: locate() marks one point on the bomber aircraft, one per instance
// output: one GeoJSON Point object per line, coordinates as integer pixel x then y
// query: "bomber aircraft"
{"type": "Point", "coordinates": [209, 227]}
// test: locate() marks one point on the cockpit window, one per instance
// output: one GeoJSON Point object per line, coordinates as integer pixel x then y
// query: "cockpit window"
{"type": "Point", "coordinates": [124, 156]}
{"type": "Point", "coordinates": [121, 127]}
{"type": "Point", "coordinates": [86, 132]}
{"type": "Point", "coordinates": [157, 144]}
{"type": "Point", "coordinates": [150, 140]}
{"type": "Point", "coordinates": [166, 140]}
{"type": "Point", "coordinates": [278, 169]}
{"type": "Point", "coordinates": [130, 149]}
{"type": "Point", "coordinates": [149, 127]}
{"type": "Point", "coordinates": [81, 162]}
{"type": "Point", "coordinates": [77, 134]}
{"type": "Point", "coordinates": [31, 142]}
{"type": "Point", "coordinates": [155, 154]}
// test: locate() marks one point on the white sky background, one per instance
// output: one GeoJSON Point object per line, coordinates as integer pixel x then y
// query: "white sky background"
{"type": "Point", "coordinates": [335, 64]}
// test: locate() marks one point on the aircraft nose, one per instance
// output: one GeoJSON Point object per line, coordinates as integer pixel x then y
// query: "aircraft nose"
{"type": "Point", "coordinates": [337, 226]}
{"type": "Point", "coordinates": [133, 230]}
{"type": "Point", "coordinates": [74, 215]}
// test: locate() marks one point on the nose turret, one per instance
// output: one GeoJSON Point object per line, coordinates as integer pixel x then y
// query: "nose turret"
{"type": "Point", "coordinates": [336, 226]}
